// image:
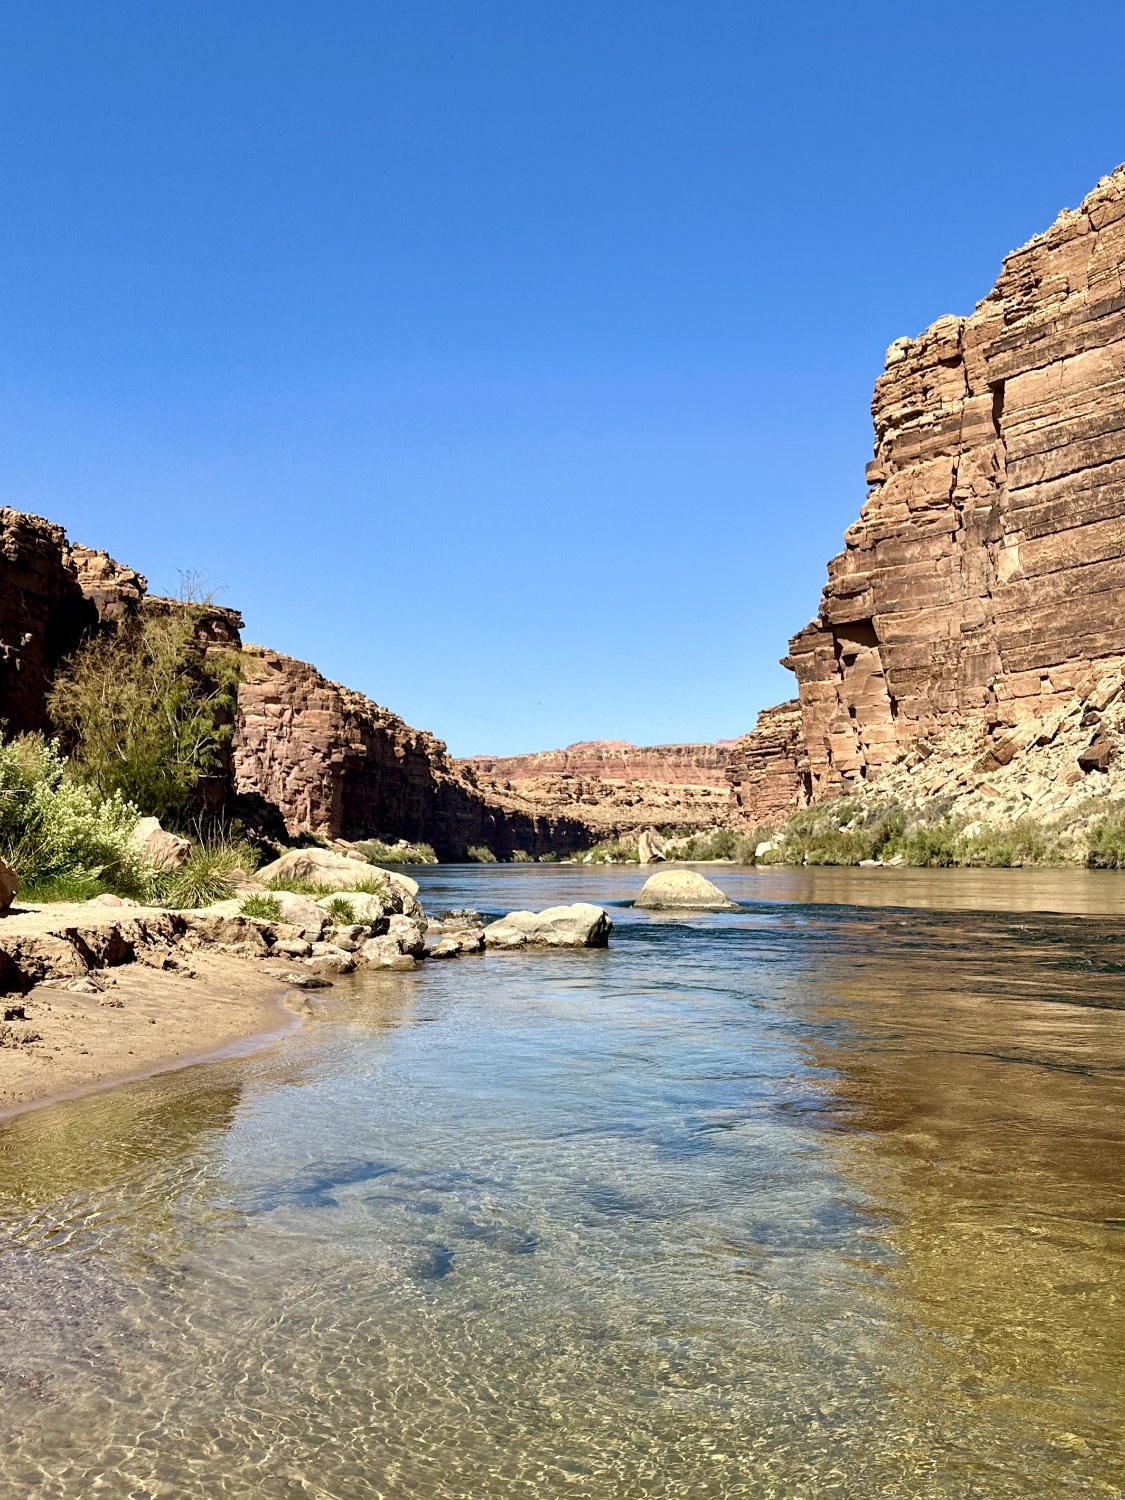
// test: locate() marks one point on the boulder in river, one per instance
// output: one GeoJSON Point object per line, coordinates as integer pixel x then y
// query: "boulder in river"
{"type": "Point", "coordinates": [683, 890]}
{"type": "Point", "coordinates": [579, 926]}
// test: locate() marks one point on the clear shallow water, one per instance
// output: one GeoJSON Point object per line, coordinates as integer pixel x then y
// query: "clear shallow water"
{"type": "Point", "coordinates": [810, 1199]}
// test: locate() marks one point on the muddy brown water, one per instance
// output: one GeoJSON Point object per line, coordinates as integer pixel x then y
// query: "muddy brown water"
{"type": "Point", "coordinates": [824, 1196]}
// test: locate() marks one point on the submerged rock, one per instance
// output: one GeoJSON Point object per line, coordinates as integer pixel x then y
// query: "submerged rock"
{"type": "Point", "coordinates": [579, 926]}
{"type": "Point", "coordinates": [684, 890]}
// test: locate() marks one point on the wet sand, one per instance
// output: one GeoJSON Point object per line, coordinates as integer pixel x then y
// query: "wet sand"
{"type": "Point", "coordinates": [55, 1042]}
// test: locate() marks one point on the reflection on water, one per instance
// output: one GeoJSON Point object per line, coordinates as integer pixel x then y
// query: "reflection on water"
{"type": "Point", "coordinates": [811, 1198]}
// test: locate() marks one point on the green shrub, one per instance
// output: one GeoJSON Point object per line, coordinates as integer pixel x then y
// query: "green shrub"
{"type": "Point", "coordinates": [341, 910]}
{"type": "Point", "coordinates": [480, 854]}
{"type": "Point", "coordinates": [54, 831]}
{"type": "Point", "coordinates": [718, 843]}
{"type": "Point", "coordinates": [1024, 842]}
{"type": "Point", "coordinates": [145, 711]}
{"type": "Point", "coordinates": [1105, 841]}
{"type": "Point", "coordinates": [612, 851]}
{"type": "Point", "coordinates": [929, 846]}
{"type": "Point", "coordinates": [548, 859]}
{"type": "Point", "coordinates": [267, 907]}
{"type": "Point", "coordinates": [521, 857]}
{"type": "Point", "coordinates": [379, 853]}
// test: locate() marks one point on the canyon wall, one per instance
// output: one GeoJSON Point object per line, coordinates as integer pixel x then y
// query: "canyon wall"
{"type": "Point", "coordinates": [330, 761]}
{"type": "Point", "coordinates": [615, 760]}
{"type": "Point", "coordinates": [768, 769]}
{"type": "Point", "coordinates": [306, 754]}
{"type": "Point", "coordinates": [984, 581]}
{"type": "Point", "coordinates": [614, 788]}
{"type": "Point", "coordinates": [43, 615]}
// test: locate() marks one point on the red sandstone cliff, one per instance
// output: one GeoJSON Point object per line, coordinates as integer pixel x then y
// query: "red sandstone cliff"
{"type": "Point", "coordinates": [618, 760]}
{"type": "Point", "coordinates": [331, 761]}
{"type": "Point", "coordinates": [984, 581]}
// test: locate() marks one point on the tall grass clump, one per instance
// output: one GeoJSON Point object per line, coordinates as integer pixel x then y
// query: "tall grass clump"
{"type": "Point", "coordinates": [266, 907]}
{"type": "Point", "coordinates": [209, 874]}
{"type": "Point", "coordinates": [61, 836]}
{"type": "Point", "coordinates": [480, 854]}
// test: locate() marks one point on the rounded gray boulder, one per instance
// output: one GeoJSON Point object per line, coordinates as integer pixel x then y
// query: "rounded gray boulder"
{"type": "Point", "coordinates": [683, 890]}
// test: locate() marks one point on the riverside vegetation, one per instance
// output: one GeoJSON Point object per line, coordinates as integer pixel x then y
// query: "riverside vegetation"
{"type": "Point", "coordinates": [854, 831]}
{"type": "Point", "coordinates": [143, 717]}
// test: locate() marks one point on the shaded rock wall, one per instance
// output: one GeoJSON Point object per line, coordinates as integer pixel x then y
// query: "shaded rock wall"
{"type": "Point", "coordinates": [331, 761]}
{"type": "Point", "coordinates": [43, 615]}
{"type": "Point", "coordinates": [985, 577]}
{"type": "Point", "coordinates": [768, 769]}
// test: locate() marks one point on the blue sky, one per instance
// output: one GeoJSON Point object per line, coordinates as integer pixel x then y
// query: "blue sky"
{"type": "Point", "coordinates": [509, 359]}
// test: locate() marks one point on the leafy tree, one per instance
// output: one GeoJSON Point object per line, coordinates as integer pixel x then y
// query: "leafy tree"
{"type": "Point", "coordinates": [145, 711]}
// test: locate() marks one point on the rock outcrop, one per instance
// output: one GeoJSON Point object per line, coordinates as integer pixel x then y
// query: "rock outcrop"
{"type": "Point", "coordinates": [579, 926]}
{"type": "Point", "coordinates": [768, 769]}
{"type": "Point", "coordinates": [613, 760]}
{"type": "Point", "coordinates": [982, 588]}
{"type": "Point", "coordinates": [330, 761]}
{"type": "Point", "coordinates": [43, 615]}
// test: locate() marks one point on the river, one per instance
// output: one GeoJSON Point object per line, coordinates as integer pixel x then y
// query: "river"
{"type": "Point", "coordinates": [825, 1196]}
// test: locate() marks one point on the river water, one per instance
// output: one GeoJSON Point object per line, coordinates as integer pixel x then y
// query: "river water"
{"type": "Point", "coordinates": [825, 1196]}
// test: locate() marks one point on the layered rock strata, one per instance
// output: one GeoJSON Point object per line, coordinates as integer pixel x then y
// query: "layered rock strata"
{"type": "Point", "coordinates": [983, 586]}
{"type": "Point", "coordinates": [768, 769]}
{"type": "Point", "coordinates": [333, 762]}
{"type": "Point", "coordinates": [613, 787]}
{"type": "Point", "coordinates": [613, 760]}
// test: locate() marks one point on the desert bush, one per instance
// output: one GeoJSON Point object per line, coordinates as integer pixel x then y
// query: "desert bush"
{"type": "Point", "coordinates": [480, 854]}
{"type": "Point", "coordinates": [379, 853]}
{"type": "Point", "coordinates": [54, 831]}
{"type": "Point", "coordinates": [1023, 842]}
{"type": "Point", "coordinates": [719, 843]}
{"type": "Point", "coordinates": [145, 711]}
{"type": "Point", "coordinates": [1105, 839]}
{"type": "Point", "coordinates": [521, 857]}
{"type": "Point", "coordinates": [612, 851]}
{"type": "Point", "coordinates": [267, 907]}
{"type": "Point", "coordinates": [937, 845]}
{"type": "Point", "coordinates": [548, 859]}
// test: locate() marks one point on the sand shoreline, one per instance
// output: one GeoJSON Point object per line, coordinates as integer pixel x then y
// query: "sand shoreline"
{"type": "Point", "coordinates": [59, 1044]}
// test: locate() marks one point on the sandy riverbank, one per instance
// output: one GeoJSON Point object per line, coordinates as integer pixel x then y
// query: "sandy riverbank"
{"type": "Point", "coordinates": [60, 1039]}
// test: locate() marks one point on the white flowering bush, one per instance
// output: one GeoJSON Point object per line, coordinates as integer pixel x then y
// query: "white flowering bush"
{"type": "Point", "coordinates": [54, 829]}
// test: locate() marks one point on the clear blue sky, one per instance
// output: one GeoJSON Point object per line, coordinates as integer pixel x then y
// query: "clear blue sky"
{"type": "Point", "coordinates": [509, 359]}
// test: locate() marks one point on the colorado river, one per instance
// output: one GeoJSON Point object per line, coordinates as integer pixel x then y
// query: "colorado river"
{"type": "Point", "coordinates": [825, 1196]}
